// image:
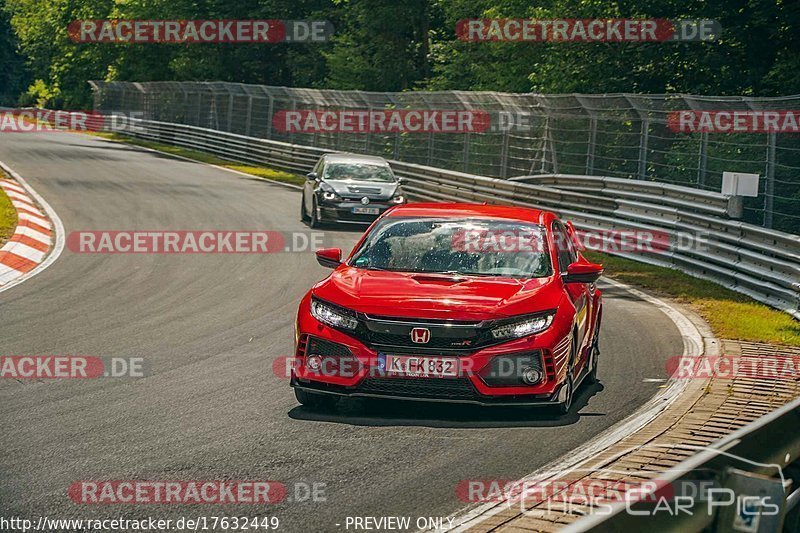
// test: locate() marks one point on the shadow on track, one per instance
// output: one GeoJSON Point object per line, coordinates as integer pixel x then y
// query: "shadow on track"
{"type": "Point", "coordinates": [385, 413]}
{"type": "Point", "coordinates": [611, 291]}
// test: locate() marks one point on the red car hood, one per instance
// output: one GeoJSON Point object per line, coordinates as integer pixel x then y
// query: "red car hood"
{"type": "Point", "coordinates": [402, 294]}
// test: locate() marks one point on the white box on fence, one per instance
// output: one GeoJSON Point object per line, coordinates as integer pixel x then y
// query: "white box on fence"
{"type": "Point", "coordinates": [739, 184]}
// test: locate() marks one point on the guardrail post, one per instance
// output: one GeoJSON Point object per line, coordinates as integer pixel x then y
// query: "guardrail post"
{"type": "Point", "coordinates": [702, 164]}
{"type": "Point", "coordinates": [467, 141]}
{"type": "Point", "coordinates": [396, 154]}
{"type": "Point", "coordinates": [249, 119]}
{"type": "Point", "coordinates": [294, 108]}
{"type": "Point", "coordinates": [550, 142]}
{"type": "Point", "coordinates": [185, 113]}
{"type": "Point", "coordinates": [199, 121]}
{"type": "Point", "coordinates": [643, 141]}
{"type": "Point", "coordinates": [736, 206]}
{"type": "Point", "coordinates": [430, 149]}
{"type": "Point", "coordinates": [769, 186]}
{"type": "Point", "coordinates": [270, 113]}
{"type": "Point", "coordinates": [230, 113]}
{"type": "Point", "coordinates": [592, 144]}
{"type": "Point", "coordinates": [97, 95]}
{"type": "Point", "coordinates": [367, 136]}
{"type": "Point", "coordinates": [214, 115]}
{"type": "Point", "coordinates": [504, 155]}
{"type": "Point", "coordinates": [543, 159]}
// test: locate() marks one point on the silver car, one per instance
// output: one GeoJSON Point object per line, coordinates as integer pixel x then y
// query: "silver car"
{"type": "Point", "coordinates": [348, 188]}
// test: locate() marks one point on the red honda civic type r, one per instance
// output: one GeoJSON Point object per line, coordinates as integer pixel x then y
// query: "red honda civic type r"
{"type": "Point", "coordinates": [464, 303]}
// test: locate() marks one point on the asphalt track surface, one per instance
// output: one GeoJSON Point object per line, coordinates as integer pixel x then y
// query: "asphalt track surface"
{"type": "Point", "coordinates": [209, 328]}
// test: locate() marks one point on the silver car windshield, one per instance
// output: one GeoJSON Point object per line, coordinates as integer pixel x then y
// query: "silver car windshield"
{"type": "Point", "coordinates": [456, 246]}
{"type": "Point", "coordinates": [358, 172]}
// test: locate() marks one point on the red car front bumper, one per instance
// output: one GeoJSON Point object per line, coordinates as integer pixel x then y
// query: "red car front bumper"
{"type": "Point", "coordinates": [352, 367]}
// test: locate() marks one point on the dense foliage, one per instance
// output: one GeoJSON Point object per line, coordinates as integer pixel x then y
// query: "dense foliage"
{"type": "Point", "coordinates": [391, 45]}
{"type": "Point", "coordinates": [12, 66]}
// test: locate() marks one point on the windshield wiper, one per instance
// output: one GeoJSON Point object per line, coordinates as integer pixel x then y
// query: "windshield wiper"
{"type": "Point", "coordinates": [452, 273]}
{"type": "Point", "coordinates": [382, 269]}
{"type": "Point", "coordinates": [480, 274]}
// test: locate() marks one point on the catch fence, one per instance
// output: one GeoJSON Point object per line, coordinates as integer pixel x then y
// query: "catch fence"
{"type": "Point", "coordinates": [614, 135]}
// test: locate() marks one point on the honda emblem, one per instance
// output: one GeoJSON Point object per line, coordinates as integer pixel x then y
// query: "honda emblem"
{"type": "Point", "coordinates": [420, 335]}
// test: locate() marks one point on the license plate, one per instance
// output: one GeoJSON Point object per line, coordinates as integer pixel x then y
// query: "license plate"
{"type": "Point", "coordinates": [421, 367]}
{"type": "Point", "coordinates": [366, 211]}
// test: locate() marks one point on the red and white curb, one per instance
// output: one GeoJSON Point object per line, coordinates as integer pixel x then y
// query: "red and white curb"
{"type": "Point", "coordinates": [39, 236]}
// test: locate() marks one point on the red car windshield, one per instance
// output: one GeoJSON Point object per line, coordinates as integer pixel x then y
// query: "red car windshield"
{"type": "Point", "coordinates": [456, 246]}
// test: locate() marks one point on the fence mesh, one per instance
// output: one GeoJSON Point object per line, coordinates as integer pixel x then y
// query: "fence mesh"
{"type": "Point", "coordinates": [616, 135]}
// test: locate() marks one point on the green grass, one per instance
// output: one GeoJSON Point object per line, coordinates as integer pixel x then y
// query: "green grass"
{"type": "Point", "coordinates": [731, 315]}
{"type": "Point", "coordinates": [8, 216]}
{"type": "Point", "coordinates": [258, 171]}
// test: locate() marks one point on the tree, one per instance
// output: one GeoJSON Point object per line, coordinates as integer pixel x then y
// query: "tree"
{"type": "Point", "coordinates": [396, 45]}
{"type": "Point", "coordinates": [12, 67]}
{"type": "Point", "coordinates": [383, 45]}
{"type": "Point", "coordinates": [757, 53]}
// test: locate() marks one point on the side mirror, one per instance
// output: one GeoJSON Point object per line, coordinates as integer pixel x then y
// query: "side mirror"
{"type": "Point", "coordinates": [329, 257]}
{"type": "Point", "coordinates": [583, 272]}
{"type": "Point", "coordinates": [311, 176]}
{"type": "Point", "coordinates": [402, 181]}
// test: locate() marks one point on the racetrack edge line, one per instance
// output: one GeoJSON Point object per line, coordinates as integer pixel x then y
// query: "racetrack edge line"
{"type": "Point", "coordinates": [58, 229]}
{"type": "Point", "coordinates": [226, 169]}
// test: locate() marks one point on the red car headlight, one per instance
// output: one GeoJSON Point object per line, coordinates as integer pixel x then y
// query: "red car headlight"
{"type": "Point", "coordinates": [524, 327]}
{"type": "Point", "coordinates": [335, 317]}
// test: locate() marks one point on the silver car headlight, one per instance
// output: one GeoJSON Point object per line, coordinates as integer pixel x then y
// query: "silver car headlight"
{"type": "Point", "coordinates": [524, 327]}
{"type": "Point", "coordinates": [329, 193]}
{"type": "Point", "coordinates": [332, 316]}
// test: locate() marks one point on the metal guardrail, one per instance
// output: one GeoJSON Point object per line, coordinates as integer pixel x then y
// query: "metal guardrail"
{"type": "Point", "coordinates": [769, 447]}
{"type": "Point", "coordinates": [652, 192]}
{"type": "Point", "coordinates": [761, 263]}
